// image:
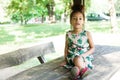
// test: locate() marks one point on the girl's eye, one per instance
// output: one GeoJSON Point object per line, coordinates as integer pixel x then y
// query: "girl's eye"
{"type": "Point", "coordinates": [80, 18]}
{"type": "Point", "coordinates": [74, 18]}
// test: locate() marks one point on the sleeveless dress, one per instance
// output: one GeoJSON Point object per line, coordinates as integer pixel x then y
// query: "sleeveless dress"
{"type": "Point", "coordinates": [77, 45]}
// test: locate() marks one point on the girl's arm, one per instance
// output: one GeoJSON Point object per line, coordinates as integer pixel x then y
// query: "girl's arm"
{"type": "Point", "coordinates": [66, 49]}
{"type": "Point", "coordinates": [91, 44]}
{"type": "Point", "coordinates": [65, 52]}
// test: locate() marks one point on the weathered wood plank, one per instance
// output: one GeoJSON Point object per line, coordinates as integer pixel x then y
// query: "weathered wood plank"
{"type": "Point", "coordinates": [21, 55]}
{"type": "Point", "coordinates": [106, 63]}
{"type": "Point", "coordinates": [58, 72]}
{"type": "Point", "coordinates": [64, 77]}
{"type": "Point", "coordinates": [105, 66]}
{"type": "Point", "coordinates": [35, 72]}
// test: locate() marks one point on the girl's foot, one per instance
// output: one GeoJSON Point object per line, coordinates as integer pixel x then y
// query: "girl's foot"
{"type": "Point", "coordinates": [85, 72]}
{"type": "Point", "coordinates": [63, 63]}
{"type": "Point", "coordinates": [75, 73]}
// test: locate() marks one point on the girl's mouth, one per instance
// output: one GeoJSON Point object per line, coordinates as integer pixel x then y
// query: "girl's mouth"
{"type": "Point", "coordinates": [77, 23]}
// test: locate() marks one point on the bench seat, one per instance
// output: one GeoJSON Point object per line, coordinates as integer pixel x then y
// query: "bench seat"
{"type": "Point", "coordinates": [106, 64]}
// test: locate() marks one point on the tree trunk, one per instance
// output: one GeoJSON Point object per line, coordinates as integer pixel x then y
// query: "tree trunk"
{"type": "Point", "coordinates": [112, 13]}
{"type": "Point", "coordinates": [50, 7]}
{"type": "Point", "coordinates": [25, 21]}
{"type": "Point", "coordinates": [42, 19]}
{"type": "Point", "coordinates": [21, 18]}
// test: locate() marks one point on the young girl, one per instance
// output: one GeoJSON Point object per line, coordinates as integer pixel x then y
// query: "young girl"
{"type": "Point", "coordinates": [78, 45]}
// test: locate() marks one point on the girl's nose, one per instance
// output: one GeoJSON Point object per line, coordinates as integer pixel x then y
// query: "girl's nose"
{"type": "Point", "coordinates": [77, 19]}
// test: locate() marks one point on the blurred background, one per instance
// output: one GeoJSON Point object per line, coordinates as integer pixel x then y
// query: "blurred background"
{"type": "Point", "coordinates": [28, 20]}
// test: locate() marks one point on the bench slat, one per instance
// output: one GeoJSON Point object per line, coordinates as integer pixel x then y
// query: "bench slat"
{"type": "Point", "coordinates": [58, 72]}
{"type": "Point", "coordinates": [21, 55]}
{"type": "Point", "coordinates": [51, 71]}
{"type": "Point", "coordinates": [35, 72]}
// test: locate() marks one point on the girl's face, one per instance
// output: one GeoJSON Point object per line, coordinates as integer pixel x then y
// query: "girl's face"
{"type": "Point", "coordinates": [77, 20]}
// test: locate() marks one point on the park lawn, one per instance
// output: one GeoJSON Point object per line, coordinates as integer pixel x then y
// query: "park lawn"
{"type": "Point", "coordinates": [17, 34]}
{"type": "Point", "coordinates": [98, 26]}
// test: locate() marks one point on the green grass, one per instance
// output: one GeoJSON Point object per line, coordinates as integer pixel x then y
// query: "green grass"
{"type": "Point", "coordinates": [99, 26]}
{"type": "Point", "coordinates": [5, 37]}
{"type": "Point", "coordinates": [18, 34]}
{"type": "Point", "coordinates": [45, 30]}
{"type": "Point", "coordinates": [30, 33]}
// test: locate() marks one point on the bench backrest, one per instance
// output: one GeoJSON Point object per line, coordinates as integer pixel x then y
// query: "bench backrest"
{"type": "Point", "coordinates": [21, 55]}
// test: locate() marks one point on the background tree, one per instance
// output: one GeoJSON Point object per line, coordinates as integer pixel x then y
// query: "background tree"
{"type": "Point", "coordinates": [68, 3]}
{"type": "Point", "coordinates": [40, 9]}
{"type": "Point", "coordinates": [66, 11]}
{"type": "Point", "coordinates": [112, 12]}
{"type": "Point", "coordinates": [117, 7]}
{"type": "Point", "coordinates": [20, 10]}
{"type": "Point", "coordinates": [24, 10]}
{"type": "Point", "coordinates": [50, 5]}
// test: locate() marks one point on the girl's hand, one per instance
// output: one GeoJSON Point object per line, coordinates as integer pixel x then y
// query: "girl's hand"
{"type": "Point", "coordinates": [63, 63]}
{"type": "Point", "coordinates": [84, 55]}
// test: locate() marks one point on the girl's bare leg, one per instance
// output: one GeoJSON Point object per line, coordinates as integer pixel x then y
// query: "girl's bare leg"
{"type": "Point", "coordinates": [78, 61]}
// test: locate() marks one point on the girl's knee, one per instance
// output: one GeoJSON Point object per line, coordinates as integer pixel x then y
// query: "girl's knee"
{"type": "Point", "coordinates": [77, 58]}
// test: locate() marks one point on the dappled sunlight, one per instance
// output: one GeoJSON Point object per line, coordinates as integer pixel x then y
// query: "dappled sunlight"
{"type": "Point", "coordinates": [17, 35]}
{"type": "Point", "coordinates": [31, 36]}
{"type": "Point", "coordinates": [44, 34]}
{"type": "Point", "coordinates": [29, 33]}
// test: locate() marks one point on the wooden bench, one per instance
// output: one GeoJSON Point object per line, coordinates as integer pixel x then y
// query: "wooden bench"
{"type": "Point", "coordinates": [106, 64]}
{"type": "Point", "coordinates": [21, 55]}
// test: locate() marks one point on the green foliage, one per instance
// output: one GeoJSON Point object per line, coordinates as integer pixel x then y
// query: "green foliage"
{"type": "Point", "coordinates": [24, 10]}
{"type": "Point", "coordinates": [87, 4]}
{"type": "Point", "coordinates": [19, 8]}
{"type": "Point", "coordinates": [15, 17]}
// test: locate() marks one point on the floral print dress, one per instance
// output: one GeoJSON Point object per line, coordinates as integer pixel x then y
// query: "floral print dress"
{"type": "Point", "coordinates": [77, 45]}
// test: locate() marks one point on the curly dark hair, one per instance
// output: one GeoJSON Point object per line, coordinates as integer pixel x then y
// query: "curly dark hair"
{"type": "Point", "coordinates": [77, 8]}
